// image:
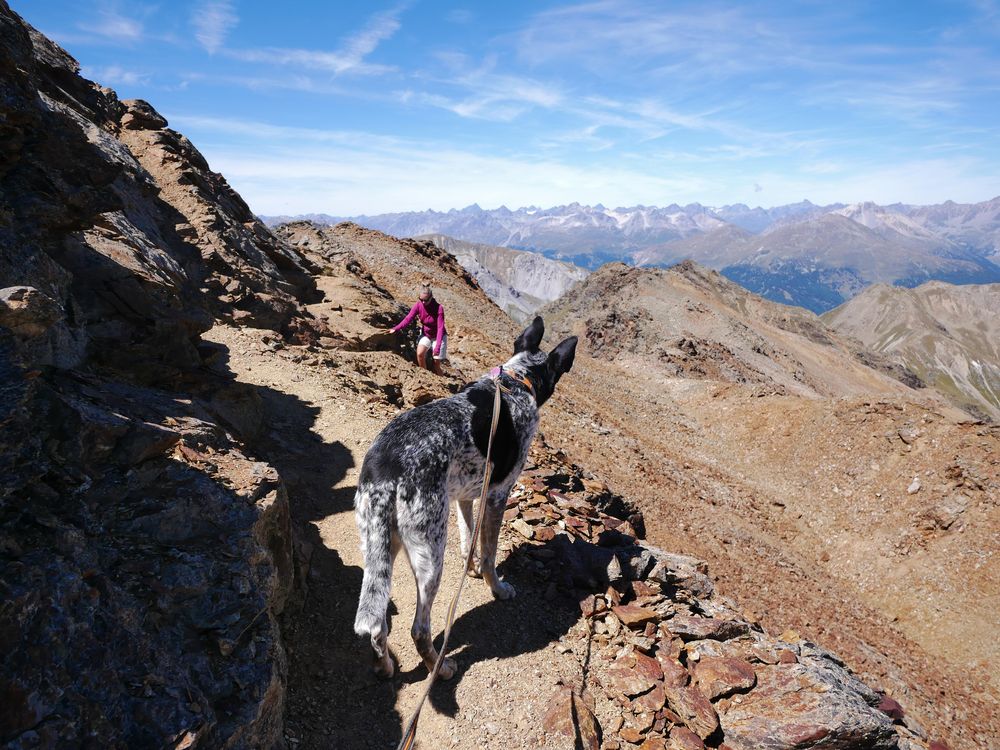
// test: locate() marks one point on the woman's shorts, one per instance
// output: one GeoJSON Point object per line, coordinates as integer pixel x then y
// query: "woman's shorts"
{"type": "Point", "coordinates": [425, 341]}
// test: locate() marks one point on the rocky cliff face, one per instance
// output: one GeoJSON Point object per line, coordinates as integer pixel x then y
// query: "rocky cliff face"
{"type": "Point", "coordinates": [947, 334]}
{"type": "Point", "coordinates": [144, 555]}
{"type": "Point", "coordinates": [519, 282]}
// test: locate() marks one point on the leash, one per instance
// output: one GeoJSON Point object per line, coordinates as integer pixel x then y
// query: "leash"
{"type": "Point", "coordinates": [410, 735]}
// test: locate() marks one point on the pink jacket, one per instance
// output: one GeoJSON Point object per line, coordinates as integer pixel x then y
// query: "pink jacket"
{"type": "Point", "coordinates": [431, 317]}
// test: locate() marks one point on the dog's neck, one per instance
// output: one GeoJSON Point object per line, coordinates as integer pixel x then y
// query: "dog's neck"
{"type": "Point", "coordinates": [516, 375]}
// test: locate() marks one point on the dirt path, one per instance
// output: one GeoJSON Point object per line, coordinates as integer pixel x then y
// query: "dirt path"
{"type": "Point", "coordinates": [508, 653]}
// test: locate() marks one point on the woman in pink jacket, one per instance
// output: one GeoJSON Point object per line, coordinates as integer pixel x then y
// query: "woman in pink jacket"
{"type": "Point", "coordinates": [430, 313]}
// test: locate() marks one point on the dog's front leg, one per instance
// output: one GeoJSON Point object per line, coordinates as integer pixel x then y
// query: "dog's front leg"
{"type": "Point", "coordinates": [465, 529]}
{"type": "Point", "coordinates": [488, 536]}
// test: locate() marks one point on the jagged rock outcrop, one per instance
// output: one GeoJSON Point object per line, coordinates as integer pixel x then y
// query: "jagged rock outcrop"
{"type": "Point", "coordinates": [144, 555]}
{"type": "Point", "coordinates": [119, 221]}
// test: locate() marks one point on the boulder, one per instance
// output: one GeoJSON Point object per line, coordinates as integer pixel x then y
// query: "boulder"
{"type": "Point", "coordinates": [798, 705]}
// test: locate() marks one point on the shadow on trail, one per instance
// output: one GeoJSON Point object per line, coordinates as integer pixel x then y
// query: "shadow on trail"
{"type": "Point", "coordinates": [504, 629]}
{"type": "Point", "coordinates": [334, 700]}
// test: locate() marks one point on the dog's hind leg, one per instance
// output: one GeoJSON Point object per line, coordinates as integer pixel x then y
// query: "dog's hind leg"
{"type": "Point", "coordinates": [488, 536]}
{"type": "Point", "coordinates": [466, 522]}
{"type": "Point", "coordinates": [424, 538]}
{"type": "Point", "coordinates": [384, 666]}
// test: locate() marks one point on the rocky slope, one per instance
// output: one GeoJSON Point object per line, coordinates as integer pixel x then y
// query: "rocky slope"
{"type": "Point", "coordinates": [144, 554]}
{"type": "Point", "coordinates": [690, 321]}
{"type": "Point", "coordinates": [872, 499]}
{"type": "Point", "coordinates": [948, 335]}
{"type": "Point", "coordinates": [518, 281]}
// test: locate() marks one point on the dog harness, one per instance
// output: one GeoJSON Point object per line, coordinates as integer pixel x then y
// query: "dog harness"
{"type": "Point", "coordinates": [497, 372]}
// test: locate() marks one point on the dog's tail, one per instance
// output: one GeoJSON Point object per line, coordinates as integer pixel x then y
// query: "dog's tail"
{"type": "Point", "coordinates": [374, 515]}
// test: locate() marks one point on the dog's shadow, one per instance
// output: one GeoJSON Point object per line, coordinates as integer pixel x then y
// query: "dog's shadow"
{"type": "Point", "coordinates": [529, 622]}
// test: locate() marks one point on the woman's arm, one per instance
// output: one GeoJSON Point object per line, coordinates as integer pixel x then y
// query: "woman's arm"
{"type": "Point", "coordinates": [440, 330]}
{"type": "Point", "coordinates": [406, 321]}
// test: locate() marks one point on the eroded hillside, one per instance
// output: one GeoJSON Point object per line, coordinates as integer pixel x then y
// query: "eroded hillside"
{"type": "Point", "coordinates": [518, 281]}
{"type": "Point", "coordinates": [837, 500]}
{"type": "Point", "coordinates": [949, 335]}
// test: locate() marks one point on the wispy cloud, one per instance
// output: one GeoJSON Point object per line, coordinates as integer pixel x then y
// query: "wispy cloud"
{"type": "Point", "coordinates": [110, 23]}
{"type": "Point", "coordinates": [350, 56]}
{"type": "Point", "coordinates": [278, 169]}
{"type": "Point", "coordinates": [115, 75]}
{"type": "Point", "coordinates": [212, 22]}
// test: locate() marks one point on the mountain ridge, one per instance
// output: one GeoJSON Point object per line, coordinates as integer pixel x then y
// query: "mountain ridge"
{"type": "Point", "coordinates": [959, 243]}
{"type": "Point", "coordinates": [947, 334]}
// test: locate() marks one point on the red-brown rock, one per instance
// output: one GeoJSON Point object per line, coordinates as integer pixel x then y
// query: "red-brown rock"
{"type": "Point", "coordinates": [631, 734]}
{"type": "Point", "coordinates": [692, 628]}
{"type": "Point", "coordinates": [694, 708]}
{"type": "Point", "coordinates": [891, 708]}
{"type": "Point", "coordinates": [682, 738]}
{"type": "Point", "coordinates": [625, 678]}
{"type": "Point", "coordinates": [718, 676]}
{"type": "Point", "coordinates": [652, 701]}
{"type": "Point", "coordinates": [635, 617]}
{"type": "Point", "coordinates": [674, 673]}
{"type": "Point", "coordinates": [800, 705]}
{"type": "Point", "coordinates": [653, 743]}
{"type": "Point", "coordinates": [568, 715]}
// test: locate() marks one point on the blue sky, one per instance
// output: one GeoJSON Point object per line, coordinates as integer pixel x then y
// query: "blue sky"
{"type": "Point", "coordinates": [349, 108]}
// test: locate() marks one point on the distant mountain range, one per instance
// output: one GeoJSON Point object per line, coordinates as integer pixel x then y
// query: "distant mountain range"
{"type": "Point", "coordinates": [802, 254]}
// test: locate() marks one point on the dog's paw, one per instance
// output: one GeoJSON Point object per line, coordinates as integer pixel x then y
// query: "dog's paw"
{"type": "Point", "coordinates": [504, 591]}
{"type": "Point", "coordinates": [474, 570]}
{"type": "Point", "coordinates": [447, 669]}
{"type": "Point", "coordinates": [385, 667]}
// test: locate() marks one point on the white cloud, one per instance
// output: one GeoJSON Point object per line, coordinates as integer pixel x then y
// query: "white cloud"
{"type": "Point", "coordinates": [496, 97]}
{"type": "Point", "coordinates": [349, 57]}
{"type": "Point", "coordinates": [212, 22]}
{"type": "Point", "coordinates": [299, 170]}
{"type": "Point", "coordinates": [115, 75]}
{"type": "Point", "coordinates": [110, 24]}
{"type": "Point", "coordinates": [279, 170]}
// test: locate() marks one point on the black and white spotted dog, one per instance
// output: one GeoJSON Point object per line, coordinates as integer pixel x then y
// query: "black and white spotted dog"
{"type": "Point", "coordinates": [435, 453]}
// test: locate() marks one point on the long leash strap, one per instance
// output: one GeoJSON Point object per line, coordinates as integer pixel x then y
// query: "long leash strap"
{"type": "Point", "coordinates": [410, 735]}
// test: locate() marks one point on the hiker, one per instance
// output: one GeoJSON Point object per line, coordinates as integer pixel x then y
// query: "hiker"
{"type": "Point", "coordinates": [430, 313]}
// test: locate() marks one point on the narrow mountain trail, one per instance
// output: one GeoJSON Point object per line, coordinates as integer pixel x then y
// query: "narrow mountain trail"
{"type": "Point", "coordinates": [509, 656]}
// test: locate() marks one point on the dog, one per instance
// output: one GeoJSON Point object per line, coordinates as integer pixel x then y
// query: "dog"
{"type": "Point", "coordinates": [431, 455]}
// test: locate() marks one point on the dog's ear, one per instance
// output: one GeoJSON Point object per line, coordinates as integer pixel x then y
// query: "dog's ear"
{"type": "Point", "coordinates": [561, 358]}
{"type": "Point", "coordinates": [531, 337]}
